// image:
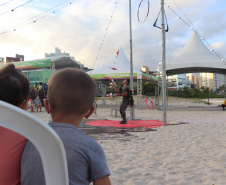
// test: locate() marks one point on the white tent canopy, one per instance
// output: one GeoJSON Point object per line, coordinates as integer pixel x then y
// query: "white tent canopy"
{"type": "Point", "coordinates": [195, 57]}
{"type": "Point", "coordinates": [119, 61]}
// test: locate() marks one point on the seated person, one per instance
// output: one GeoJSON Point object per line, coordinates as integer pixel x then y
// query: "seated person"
{"type": "Point", "coordinates": [14, 89]}
{"type": "Point", "coordinates": [30, 105]}
{"type": "Point", "coordinates": [223, 104]}
{"type": "Point", "coordinates": [71, 94]}
{"type": "Point", "coordinates": [38, 103]}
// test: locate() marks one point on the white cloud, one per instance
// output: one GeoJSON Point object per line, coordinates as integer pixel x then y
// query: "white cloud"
{"type": "Point", "coordinates": [80, 27]}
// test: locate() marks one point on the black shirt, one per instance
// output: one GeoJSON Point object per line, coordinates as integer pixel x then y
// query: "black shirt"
{"type": "Point", "coordinates": [126, 89]}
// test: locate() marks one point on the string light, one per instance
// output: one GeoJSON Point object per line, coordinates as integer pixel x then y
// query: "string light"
{"type": "Point", "coordinates": [106, 30]}
{"type": "Point", "coordinates": [38, 17]}
{"type": "Point", "coordinates": [193, 28]}
{"type": "Point", "coordinates": [6, 3]}
{"type": "Point", "coordinates": [16, 7]}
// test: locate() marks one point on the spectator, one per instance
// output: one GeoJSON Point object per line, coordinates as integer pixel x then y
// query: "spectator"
{"type": "Point", "coordinates": [71, 95]}
{"type": "Point", "coordinates": [32, 95]}
{"type": "Point", "coordinates": [14, 90]}
{"type": "Point", "coordinates": [36, 88]}
{"type": "Point", "coordinates": [30, 105]}
{"type": "Point", "coordinates": [45, 88]}
{"type": "Point", "coordinates": [38, 103]}
{"type": "Point", "coordinates": [223, 104]}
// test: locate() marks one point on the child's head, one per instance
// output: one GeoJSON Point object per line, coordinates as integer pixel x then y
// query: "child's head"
{"type": "Point", "coordinates": [71, 91]}
{"type": "Point", "coordinates": [14, 85]}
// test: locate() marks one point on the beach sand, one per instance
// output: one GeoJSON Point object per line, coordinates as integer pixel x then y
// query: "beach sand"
{"type": "Point", "coordinates": [184, 154]}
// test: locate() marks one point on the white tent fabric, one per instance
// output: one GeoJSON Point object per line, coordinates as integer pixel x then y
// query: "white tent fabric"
{"type": "Point", "coordinates": [195, 57]}
{"type": "Point", "coordinates": [119, 61]}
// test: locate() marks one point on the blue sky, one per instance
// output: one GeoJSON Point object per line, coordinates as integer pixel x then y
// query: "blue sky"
{"type": "Point", "coordinates": [79, 29]}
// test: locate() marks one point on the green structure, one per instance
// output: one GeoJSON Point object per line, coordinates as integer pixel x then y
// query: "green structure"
{"type": "Point", "coordinates": [36, 71]}
{"type": "Point", "coordinates": [41, 70]}
{"type": "Point", "coordinates": [39, 75]}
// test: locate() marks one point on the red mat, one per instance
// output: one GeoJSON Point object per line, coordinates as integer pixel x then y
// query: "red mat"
{"type": "Point", "coordinates": [130, 123]}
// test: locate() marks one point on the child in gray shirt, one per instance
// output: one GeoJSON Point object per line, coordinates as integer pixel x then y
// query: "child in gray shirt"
{"type": "Point", "coordinates": [71, 94]}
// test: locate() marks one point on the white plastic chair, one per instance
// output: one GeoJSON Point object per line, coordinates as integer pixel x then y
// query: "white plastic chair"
{"type": "Point", "coordinates": [43, 137]}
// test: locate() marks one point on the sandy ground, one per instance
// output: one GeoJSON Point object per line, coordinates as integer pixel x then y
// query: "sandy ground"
{"type": "Point", "coordinates": [184, 154]}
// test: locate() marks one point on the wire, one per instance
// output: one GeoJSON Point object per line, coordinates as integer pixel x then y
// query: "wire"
{"type": "Point", "coordinates": [16, 7]}
{"type": "Point", "coordinates": [6, 3]}
{"type": "Point", "coordinates": [33, 20]}
{"type": "Point", "coordinates": [138, 12]}
{"type": "Point", "coordinates": [106, 30]}
{"type": "Point", "coordinates": [193, 28]}
{"type": "Point", "coordinates": [186, 17]}
{"type": "Point", "coordinates": [43, 16]}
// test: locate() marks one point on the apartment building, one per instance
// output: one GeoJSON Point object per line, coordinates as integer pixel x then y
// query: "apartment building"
{"type": "Point", "coordinates": [212, 80]}
{"type": "Point", "coordinates": [179, 81]}
{"type": "Point", "coordinates": [57, 53]}
{"type": "Point", "coordinates": [194, 79]}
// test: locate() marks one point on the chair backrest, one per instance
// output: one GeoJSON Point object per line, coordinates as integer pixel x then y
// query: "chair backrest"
{"type": "Point", "coordinates": [43, 137]}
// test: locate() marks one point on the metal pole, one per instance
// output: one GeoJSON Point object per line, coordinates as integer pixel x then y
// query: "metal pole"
{"type": "Point", "coordinates": [163, 63]}
{"type": "Point", "coordinates": [131, 61]}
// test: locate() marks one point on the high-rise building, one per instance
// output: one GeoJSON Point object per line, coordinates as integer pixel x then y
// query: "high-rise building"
{"type": "Point", "coordinates": [177, 81]}
{"type": "Point", "coordinates": [57, 53]}
{"type": "Point", "coordinates": [197, 82]}
{"type": "Point", "coordinates": [194, 79]}
{"type": "Point", "coordinates": [20, 56]}
{"type": "Point", "coordinates": [212, 80]}
{"type": "Point", "coordinates": [12, 59]}
{"type": "Point", "coordinates": [145, 69]}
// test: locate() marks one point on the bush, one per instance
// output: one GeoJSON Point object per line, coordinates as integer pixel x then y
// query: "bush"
{"type": "Point", "coordinates": [149, 88]}
{"type": "Point", "coordinates": [194, 93]}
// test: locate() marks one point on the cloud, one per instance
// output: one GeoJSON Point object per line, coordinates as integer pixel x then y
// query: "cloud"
{"type": "Point", "coordinates": [79, 29]}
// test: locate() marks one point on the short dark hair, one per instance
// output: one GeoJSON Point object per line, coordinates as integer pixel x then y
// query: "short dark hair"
{"type": "Point", "coordinates": [128, 81]}
{"type": "Point", "coordinates": [14, 85]}
{"type": "Point", "coordinates": [71, 91]}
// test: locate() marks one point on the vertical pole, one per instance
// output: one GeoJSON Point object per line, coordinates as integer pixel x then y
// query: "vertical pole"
{"type": "Point", "coordinates": [158, 90]}
{"type": "Point", "coordinates": [224, 86]}
{"type": "Point", "coordinates": [131, 61]}
{"type": "Point", "coordinates": [167, 91]}
{"type": "Point", "coordinates": [163, 63]}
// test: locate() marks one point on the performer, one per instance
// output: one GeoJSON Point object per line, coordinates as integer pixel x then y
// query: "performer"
{"type": "Point", "coordinates": [126, 99]}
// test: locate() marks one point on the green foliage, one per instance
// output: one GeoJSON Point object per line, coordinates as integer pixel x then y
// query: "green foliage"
{"type": "Point", "coordinates": [201, 93]}
{"type": "Point", "coordinates": [149, 88]}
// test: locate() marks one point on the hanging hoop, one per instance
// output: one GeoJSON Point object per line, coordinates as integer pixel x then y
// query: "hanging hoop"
{"type": "Point", "coordinates": [149, 103]}
{"type": "Point", "coordinates": [138, 12]}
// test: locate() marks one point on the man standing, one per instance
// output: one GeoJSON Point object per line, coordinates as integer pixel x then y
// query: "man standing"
{"type": "Point", "coordinates": [126, 99]}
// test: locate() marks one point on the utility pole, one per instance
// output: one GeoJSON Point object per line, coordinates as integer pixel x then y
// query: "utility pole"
{"type": "Point", "coordinates": [163, 62]}
{"type": "Point", "coordinates": [132, 115]}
